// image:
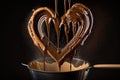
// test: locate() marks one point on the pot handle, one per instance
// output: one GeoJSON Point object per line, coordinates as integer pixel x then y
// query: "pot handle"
{"type": "Point", "coordinates": [112, 66]}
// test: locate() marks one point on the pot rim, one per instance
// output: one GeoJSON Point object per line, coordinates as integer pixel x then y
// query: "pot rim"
{"type": "Point", "coordinates": [87, 66]}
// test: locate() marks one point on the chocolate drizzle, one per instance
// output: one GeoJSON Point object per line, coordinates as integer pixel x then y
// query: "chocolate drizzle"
{"type": "Point", "coordinates": [77, 22]}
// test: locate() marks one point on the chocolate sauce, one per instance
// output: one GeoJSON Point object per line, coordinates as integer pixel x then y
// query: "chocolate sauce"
{"type": "Point", "coordinates": [69, 2]}
{"type": "Point", "coordinates": [77, 20]}
{"type": "Point", "coordinates": [44, 61]}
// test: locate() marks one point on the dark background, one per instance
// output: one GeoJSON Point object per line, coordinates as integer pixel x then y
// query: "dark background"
{"type": "Point", "coordinates": [102, 46]}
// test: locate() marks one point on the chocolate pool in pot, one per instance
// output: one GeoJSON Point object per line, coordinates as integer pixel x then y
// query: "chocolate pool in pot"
{"type": "Point", "coordinates": [58, 36]}
{"type": "Point", "coordinates": [80, 69]}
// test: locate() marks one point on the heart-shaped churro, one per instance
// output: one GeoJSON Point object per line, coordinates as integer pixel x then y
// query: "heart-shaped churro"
{"type": "Point", "coordinates": [78, 16]}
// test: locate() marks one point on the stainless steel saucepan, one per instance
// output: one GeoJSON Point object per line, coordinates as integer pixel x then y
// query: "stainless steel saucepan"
{"type": "Point", "coordinates": [79, 73]}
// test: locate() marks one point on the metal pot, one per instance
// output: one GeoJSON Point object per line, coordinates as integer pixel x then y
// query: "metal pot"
{"type": "Point", "coordinates": [79, 74]}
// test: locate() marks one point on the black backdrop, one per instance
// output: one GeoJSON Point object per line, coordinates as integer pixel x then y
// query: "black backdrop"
{"type": "Point", "coordinates": [101, 47]}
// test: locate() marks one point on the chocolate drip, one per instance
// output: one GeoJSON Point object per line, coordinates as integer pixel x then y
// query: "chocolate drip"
{"type": "Point", "coordinates": [69, 2]}
{"type": "Point", "coordinates": [65, 6]}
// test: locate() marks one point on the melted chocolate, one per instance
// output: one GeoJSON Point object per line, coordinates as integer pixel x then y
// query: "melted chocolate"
{"type": "Point", "coordinates": [77, 20]}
